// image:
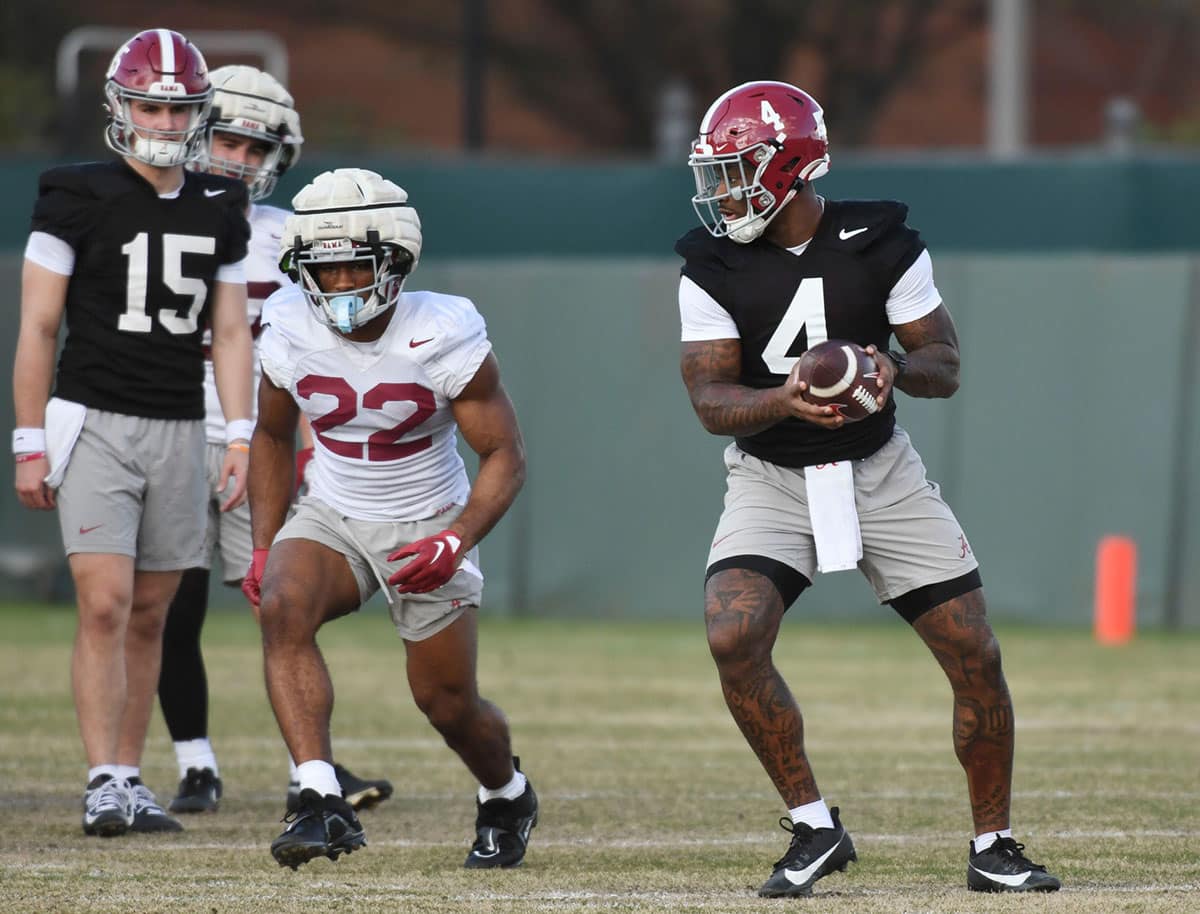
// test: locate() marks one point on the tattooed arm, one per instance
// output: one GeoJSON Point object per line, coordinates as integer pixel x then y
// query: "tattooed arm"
{"type": "Point", "coordinates": [711, 369]}
{"type": "Point", "coordinates": [931, 346]}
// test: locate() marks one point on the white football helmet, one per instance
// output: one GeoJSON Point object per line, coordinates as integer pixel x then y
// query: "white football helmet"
{"type": "Point", "coordinates": [252, 103]}
{"type": "Point", "coordinates": [164, 68]}
{"type": "Point", "coordinates": [351, 214]}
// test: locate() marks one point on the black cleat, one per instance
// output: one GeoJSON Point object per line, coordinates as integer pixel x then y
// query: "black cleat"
{"type": "Point", "coordinates": [360, 793]}
{"type": "Point", "coordinates": [324, 826]}
{"type": "Point", "coordinates": [502, 830]}
{"type": "Point", "coordinates": [107, 807]}
{"type": "Point", "coordinates": [148, 816]}
{"type": "Point", "coordinates": [199, 791]}
{"type": "Point", "coordinates": [1004, 868]}
{"type": "Point", "coordinates": [813, 853]}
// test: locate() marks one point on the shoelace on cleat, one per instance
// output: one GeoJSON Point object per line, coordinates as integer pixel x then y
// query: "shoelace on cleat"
{"type": "Point", "coordinates": [1011, 850]}
{"type": "Point", "coordinates": [107, 796]}
{"type": "Point", "coordinates": [144, 801]}
{"type": "Point", "coordinates": [802, 836]}
{"type": "Point", "coordinates": [505, 818]}
{"type": "Point", "coordinates": [195, 780]}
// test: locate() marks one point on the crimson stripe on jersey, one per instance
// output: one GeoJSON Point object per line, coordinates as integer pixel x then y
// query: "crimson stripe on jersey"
{"type": "Point", "coordinates": [261, 291]}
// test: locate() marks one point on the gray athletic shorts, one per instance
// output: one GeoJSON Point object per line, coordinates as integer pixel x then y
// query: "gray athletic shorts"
{"type": "Point", "coordinates": [910, 536]}
{"type": "Point", "coordinates": [366, 546]}
{"type": "Point", "coordinates": [135, 486]}
{"type": "Point", "coordinates": [230, 531]}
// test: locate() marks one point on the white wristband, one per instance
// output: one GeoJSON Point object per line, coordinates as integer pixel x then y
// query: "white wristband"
{"type": "Point", "coordinates": [239, 428]}
{"type": "Point", "coordinates": [29, 440]}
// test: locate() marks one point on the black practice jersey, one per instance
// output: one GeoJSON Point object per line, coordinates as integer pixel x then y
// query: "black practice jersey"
{"type": "Point", "coordinates": [138, 299]}
{"type": "Point", "coordinates": [842, 281]}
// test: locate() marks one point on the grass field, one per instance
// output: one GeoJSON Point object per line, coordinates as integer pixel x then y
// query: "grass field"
{"type": "Point", "coordinates": [650, 799]}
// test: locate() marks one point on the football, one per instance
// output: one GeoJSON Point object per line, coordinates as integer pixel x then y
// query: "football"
{"type": "Point", "coordinates": [840, 374]}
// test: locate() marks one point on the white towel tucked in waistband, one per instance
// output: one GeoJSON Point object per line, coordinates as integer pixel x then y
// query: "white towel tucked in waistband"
{"type": "Point", "coordinates": [830, 488]}
{"type": "Point", "coordinates": [64, 422]}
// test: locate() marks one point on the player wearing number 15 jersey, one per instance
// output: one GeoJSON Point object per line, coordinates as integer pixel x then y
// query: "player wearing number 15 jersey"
{"type": "Point", "coordinates": [387, 380]}
{"type": "Point", "coordinates": [136, 256]}
{"type": "Point", "coordinates": [774, 270]}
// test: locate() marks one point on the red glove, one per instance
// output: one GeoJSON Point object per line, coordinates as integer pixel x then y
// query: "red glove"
{"type": "Point", "coordinates": [252, 582]}
{"type": "Point", "coordinates": [435, 563]}
{"type": "Point", "coordinates": [303, 456]}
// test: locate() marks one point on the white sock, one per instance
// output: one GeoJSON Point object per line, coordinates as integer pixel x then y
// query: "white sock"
{"type": "Point", "coordinates": [988, 838]}
{"type": "Point", "coordinates": [129, 771]}
{"type": "Point", "coordinates": [318, 775]}
{"type": "Point", "coordinates": [195, 753]}
{"type": "Point", "coordinates": [292, 776]}
{"type": "Point", "coordinates": [93, 773]}
{"type": "Point", "coordinates": [509, 791]}
{"type": "Point", "coordinates": [814, 815]}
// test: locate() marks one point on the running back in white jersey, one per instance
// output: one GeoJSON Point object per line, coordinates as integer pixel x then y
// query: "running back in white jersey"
{"type": "Point", "coordinates": [262, 278]}
{"type": "Point", "coordinates": [384, 437]}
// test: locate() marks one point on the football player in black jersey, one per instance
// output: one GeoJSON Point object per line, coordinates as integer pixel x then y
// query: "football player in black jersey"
{"type": "Point", "coordinates": [138, 257]}
{"type": "Point", "coordinates": [774, 270]}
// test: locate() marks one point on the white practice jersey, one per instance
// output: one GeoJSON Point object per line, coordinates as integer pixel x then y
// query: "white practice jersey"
{"type": "Point", "coordinates": [385, 444]}
{"type": "Point", "coordinates": [262, 278]}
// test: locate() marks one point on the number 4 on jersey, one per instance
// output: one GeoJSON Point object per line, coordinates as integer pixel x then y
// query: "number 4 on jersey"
{"type": "Point", "coordinates": [806, 312]}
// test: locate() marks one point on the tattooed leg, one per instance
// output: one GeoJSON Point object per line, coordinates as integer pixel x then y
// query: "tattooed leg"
{"type": "Point", "coordinates": [743, 610]}
{"type": "Point", "coordinates": [958, 634]}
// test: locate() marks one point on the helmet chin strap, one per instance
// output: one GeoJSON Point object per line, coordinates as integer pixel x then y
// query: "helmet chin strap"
{"type": "Point", "coordinates": [754, 228]}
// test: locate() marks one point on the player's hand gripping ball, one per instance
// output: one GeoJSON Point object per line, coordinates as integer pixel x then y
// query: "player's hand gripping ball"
{"type": "Point", "coordinates": [843, 375]}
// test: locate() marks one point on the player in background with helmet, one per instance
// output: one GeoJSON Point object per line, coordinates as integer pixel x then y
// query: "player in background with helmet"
{"type": "Point", "coordinates": [774, 270]}
{"type": "Point", "coordinates": [253, 135]}
{"type": "Point", "coordinates": [387, 379]}
{"type": "Point", "coordinates": [138, 256]}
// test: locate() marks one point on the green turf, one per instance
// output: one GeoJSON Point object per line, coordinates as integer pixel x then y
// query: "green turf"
{"type": "Point", "coordinates": [650, 799]}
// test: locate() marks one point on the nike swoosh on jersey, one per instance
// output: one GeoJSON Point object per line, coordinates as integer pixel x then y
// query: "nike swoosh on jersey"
{"type": "Point", "coordinates": [799, 877]}
{"type": "Point", "coordinates": [209, 192]}
{"type": "Point", "coordinates": [845, 235]}
{"type": "Point", "coordinates": [413, 344]}
{"type": "Point", "coordinates": [1004, 878]}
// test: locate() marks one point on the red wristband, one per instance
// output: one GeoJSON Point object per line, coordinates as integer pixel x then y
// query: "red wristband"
{"type": "Point", "coordinates": [25, 458]}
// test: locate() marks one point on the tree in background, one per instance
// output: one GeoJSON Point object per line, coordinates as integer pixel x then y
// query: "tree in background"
{"type": "Point", "coordinates": [588, 77]}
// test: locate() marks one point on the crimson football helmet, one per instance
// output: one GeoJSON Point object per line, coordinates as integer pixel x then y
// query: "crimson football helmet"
{"type": "Point", "coordinates": [759, 142]}
{"type": "Point", "coordinates": [163, 67]}
{"type": "Point", "coordinates": [252, 103]}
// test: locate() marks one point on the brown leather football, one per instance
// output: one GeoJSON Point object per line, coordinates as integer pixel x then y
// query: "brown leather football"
{"type": "Point", "coordinates": [840, 374]}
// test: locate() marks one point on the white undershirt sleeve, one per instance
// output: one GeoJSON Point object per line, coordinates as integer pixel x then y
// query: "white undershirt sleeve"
{"type": "Point", "coordinates": [702, 318]}
{"type": "Point", "coordinates": [232, 272]}
{"type": "Point", "coordinates": [51, 252]}
{"type": "Point", "coordinates": [914, 294]}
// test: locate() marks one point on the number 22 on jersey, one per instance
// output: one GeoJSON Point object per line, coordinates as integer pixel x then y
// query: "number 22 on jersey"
{"type": "Point", "coordinates": [806, 312]}
{"type": "Point", "coordinates": [383, 444]}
